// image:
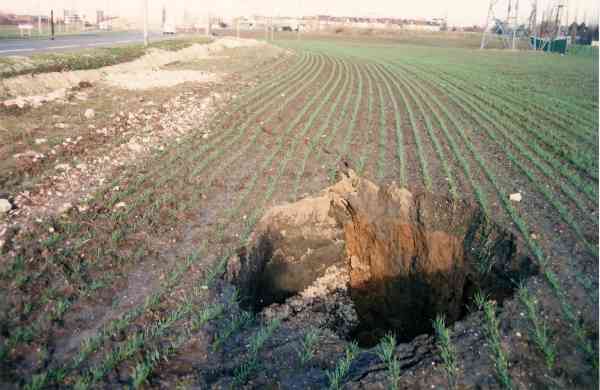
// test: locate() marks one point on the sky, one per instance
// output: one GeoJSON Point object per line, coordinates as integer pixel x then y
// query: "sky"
{"type": "Point", "coordinates": [458, 12]}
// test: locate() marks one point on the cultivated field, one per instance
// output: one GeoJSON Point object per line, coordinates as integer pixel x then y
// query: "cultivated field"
{"type": "Point", "coordinates": [125, 286]}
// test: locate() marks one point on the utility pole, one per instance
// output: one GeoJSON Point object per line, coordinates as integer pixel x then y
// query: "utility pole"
{"type": "Point", "coordinates": [272, 30]}
{"type": "Point", "coordinates": [237, 28]}
{"type": "Point", "coordinates": [515, 26]}
{"type": "Point", "coordinates": [266, 30]}
{"type": "Point", "coordinates": [487, 21]}
{"type": "Point", "coordinates": [39, 18]}
{"type": "Point", "coordinates": [145, 11]}
{"type": "Point", "coordinates": [52, 24]}
{"type": "Point", "coordinates": [558, 8]}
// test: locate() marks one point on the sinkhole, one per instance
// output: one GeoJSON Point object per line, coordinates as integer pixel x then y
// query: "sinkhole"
{"type": "Point", "coordinates": [401, 259]}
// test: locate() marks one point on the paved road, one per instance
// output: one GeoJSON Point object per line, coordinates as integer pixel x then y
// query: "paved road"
{"type": "Point", "coordinates": [60, 43]}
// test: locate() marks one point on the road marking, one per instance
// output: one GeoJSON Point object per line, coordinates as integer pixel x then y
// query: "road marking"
{"type": "Point", "coordinates": [59, 47]}
{"type": "Point", "coordinates": [11, 50]}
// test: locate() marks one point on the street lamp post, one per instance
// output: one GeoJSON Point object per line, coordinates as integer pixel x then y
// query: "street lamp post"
{"type": "Point", "coordinates": [145, 10]}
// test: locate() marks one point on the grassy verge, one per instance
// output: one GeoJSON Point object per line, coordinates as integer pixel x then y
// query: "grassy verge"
{"type": "Point", "coordinates": [88, 58]}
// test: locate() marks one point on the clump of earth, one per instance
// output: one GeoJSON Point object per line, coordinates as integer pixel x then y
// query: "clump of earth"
{"type": "Point", "coordinates": [364, 260]}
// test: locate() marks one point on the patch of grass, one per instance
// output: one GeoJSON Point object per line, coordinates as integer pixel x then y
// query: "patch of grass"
{"type": "Point", "coordinates": [385, 351]}
{"type": "Point", "coordinates": [538, 329]}
{"type": "Point", "coordinates": [447, 350]}
{"type": "Point", "coordinates": [88, 58]}
{"type": "Point", "coordinates": [492, 332]}
{"type": "Point", "coordinates": [251, 365]}
{"type": "Point", "coordinates": [338, 375]}
{"type": "Point", "coordinates": [234, 324]}
{"type": "Point", "coordinates": [308, 345]}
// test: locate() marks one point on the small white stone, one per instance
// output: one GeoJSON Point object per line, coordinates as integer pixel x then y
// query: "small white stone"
{"type": "Point", "coordinates": [89, 113]}
{"type": "Point", "coordinates": [5, 206]}
{"type": "Point", "coordinates": [516, 197]}
{"type": "Point", "coordinates": [40, 141]}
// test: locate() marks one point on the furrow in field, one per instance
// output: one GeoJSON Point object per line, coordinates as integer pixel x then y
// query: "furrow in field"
{"type": "Point", "coordinates": [559, 135]}
{"type": "Point", "coordinates": [562, 108]}
{"type": "Point", "coordinates": [490, 124]}
{"type": "Point", "coordinates": [257, 131]}
{"type": "Point", "coordinates": [382, 140]}
{"type": "Point", "coordinates": [456, 151]}
{"type": "Point", "coordinates": [279, 135]}
{"type": "Point", "coordinates": [399, 136]}
{"type": "Point", "coordinates": [535, 151]}
{"type": "Point", "coordinates": [555, 142]}
{"type": "Point", "coordinates": [276, 142]}
{"type": "Point", "coordinates": [314, 144]}
{"type": "Point", "coordinates": [274, 190]}
{"type": "Point", "coordinates": [342, 152]}
{"type": "Point", "coordinates": [368, 146]}
{"type": "Point", "coordinates": [528, 110]}
{"type": "Point", "coordinates": [333, 134]}
{"type": "Point", "coordinates": [432, 143]}
{"type": "Point", "coordinates": [414, 140]}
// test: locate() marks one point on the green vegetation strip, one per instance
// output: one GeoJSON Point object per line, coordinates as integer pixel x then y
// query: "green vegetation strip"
{"type": "Point", "coordinates": [535, 180]}
{"type": "Point", "coordinates": [88, 58]}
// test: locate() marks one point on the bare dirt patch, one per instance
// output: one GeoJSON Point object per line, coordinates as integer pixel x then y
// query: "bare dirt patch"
{"type": "Point", "coordinates": [46, 83]}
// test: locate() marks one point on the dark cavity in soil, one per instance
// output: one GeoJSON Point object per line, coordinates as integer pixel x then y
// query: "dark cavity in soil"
{"type": "Point", "coordinates": [408, 257]}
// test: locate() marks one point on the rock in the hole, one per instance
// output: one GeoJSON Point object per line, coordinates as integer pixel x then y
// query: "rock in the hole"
{"type": "Point", "coordinates": [292, 245]}
{"type": "Point", "coordinates": [5, 206]}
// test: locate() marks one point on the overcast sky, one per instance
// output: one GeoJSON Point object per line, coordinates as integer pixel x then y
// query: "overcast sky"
{"type": "Point", "coordinates": [459, 12]}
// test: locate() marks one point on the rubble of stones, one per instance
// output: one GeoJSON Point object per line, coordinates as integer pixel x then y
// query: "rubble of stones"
{"type": "Point", "coordinates": [71, 184]}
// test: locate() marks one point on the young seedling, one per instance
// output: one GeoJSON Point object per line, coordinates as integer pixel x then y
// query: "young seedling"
{"type": "Point", "coordinates": [307, 348]}
{"type": "Point", "coordinates": [385, 352]}
{"type": "Point", "coordinates": [251, 365]}
{"type": "Point", "coordinates": [493, 336]}
{"type": "Point", "coordinates": [447, 350]}
{"type": "Point", "coordinates": [235, 324]}
{"type": "Point", "coordinates": [338, 374]}
{"type": "Point", "coordinates": [538, 329]}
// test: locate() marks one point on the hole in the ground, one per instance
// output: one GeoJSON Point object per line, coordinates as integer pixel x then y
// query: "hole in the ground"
{"type": "Point", "coordinates": [405, 257]}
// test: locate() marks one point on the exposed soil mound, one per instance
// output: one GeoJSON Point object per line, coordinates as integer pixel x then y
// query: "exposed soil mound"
{"type": "Point", "coordinates": [407, 257]}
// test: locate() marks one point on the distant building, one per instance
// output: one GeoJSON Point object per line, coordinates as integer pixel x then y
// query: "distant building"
{"type": "Point", "coordinates": [99, 16]}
